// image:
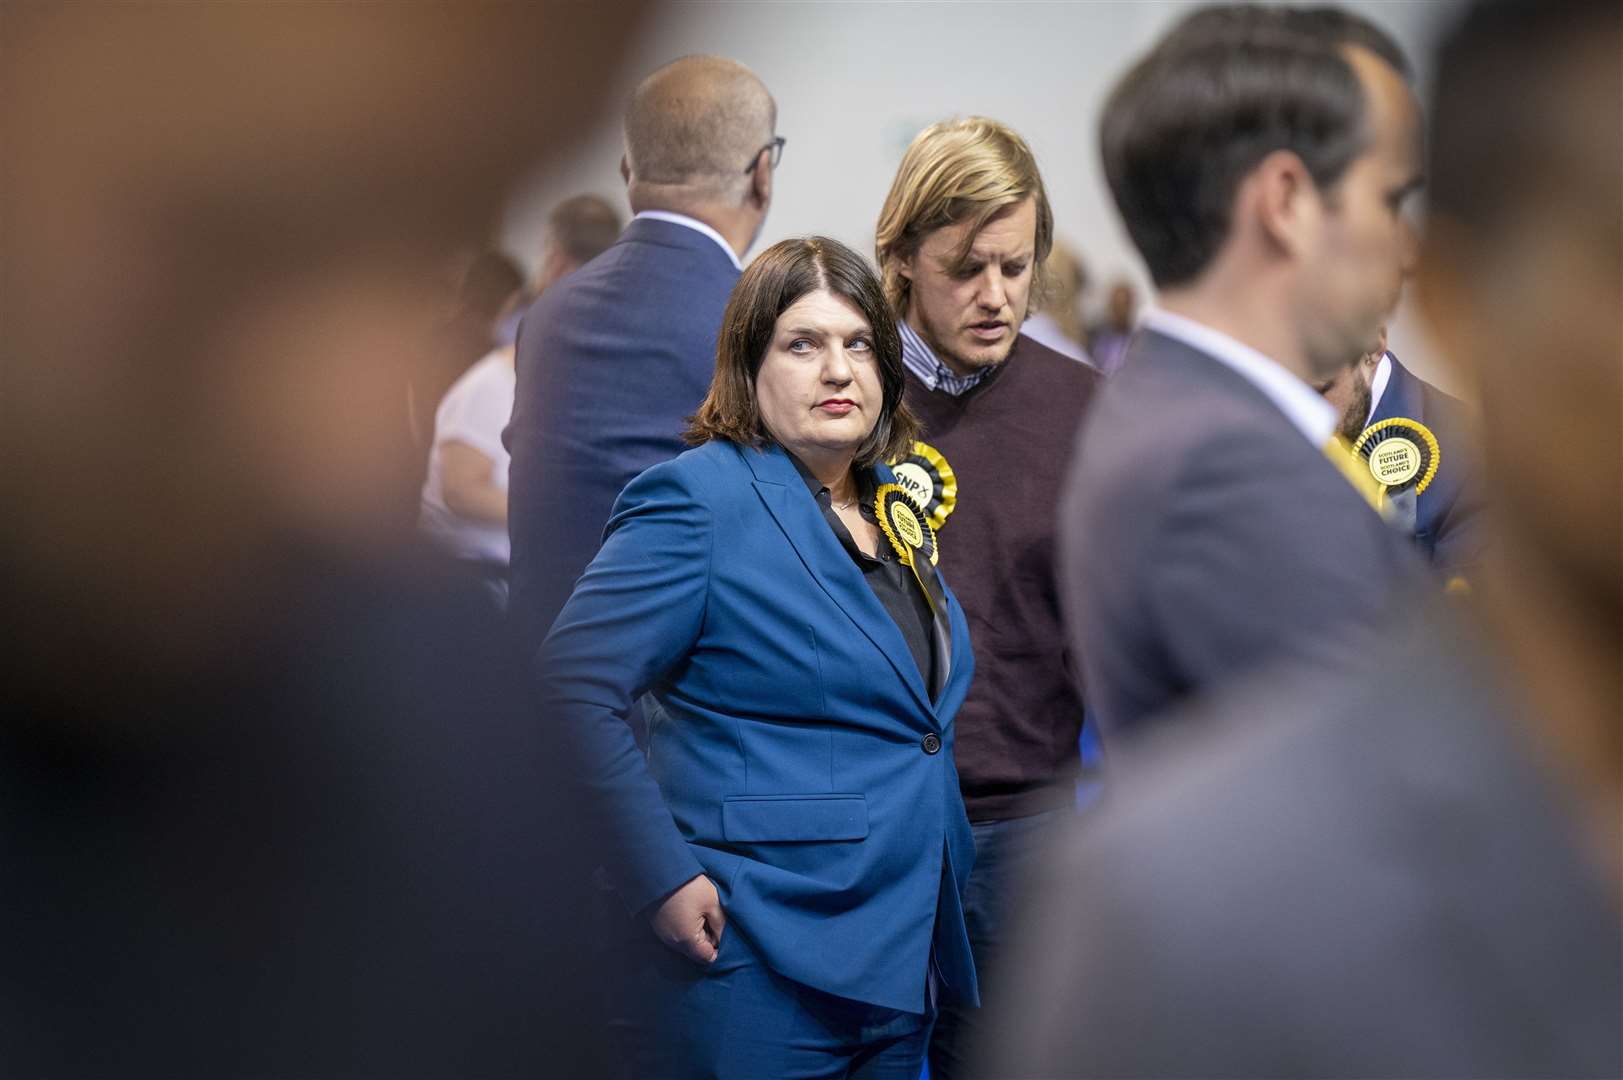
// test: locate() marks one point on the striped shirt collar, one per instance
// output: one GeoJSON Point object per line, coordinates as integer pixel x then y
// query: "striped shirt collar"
{"type": "Point", "coordinates": [922, 362]}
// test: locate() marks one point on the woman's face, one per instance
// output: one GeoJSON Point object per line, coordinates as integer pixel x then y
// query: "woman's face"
{"type": "Point", "coordinates": [818, 388]}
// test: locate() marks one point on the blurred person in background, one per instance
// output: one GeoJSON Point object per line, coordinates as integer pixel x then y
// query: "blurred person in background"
{"type": "Point", "coordinates": [488, 287]}
{"type": "Point", "coordinates": [1415, 866]}
{"type": "Point", "coordinates": [273, 799]}
{"type": "Point", "coordinates": [578, 230]}
{"type": "Point", "coordinates": [614, 359]}
{"type": "Point", "coordinates": [1058, 323]}
{"type": "Point", "coordinates": [962, 239]}
{"type": "Point", "coordinates": [1434, 494]}
{"type": "Point", "coordinates": [793, 847]}
{"type": "Point", "coordinates": [1107, 340]}
{"type": "Point", "coordinates": [464, 500]}
{"type": "Point", "coordinates": [1206, 530]}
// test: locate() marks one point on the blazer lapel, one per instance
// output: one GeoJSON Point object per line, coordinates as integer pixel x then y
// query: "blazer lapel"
{"type": "Point", "coordinates": [797, 514]}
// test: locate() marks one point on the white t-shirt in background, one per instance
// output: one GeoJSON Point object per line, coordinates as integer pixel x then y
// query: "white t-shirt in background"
{"type": "Point", "coordinates": [474, 411]}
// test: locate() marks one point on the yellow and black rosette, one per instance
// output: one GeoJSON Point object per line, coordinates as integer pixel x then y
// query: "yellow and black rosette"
{"type": "Point", "coordinates": [927, 478]}
{"type": "Point", "coordinates": [903, 523]}
{"type": "Point", "coordinates": [1400, 453]}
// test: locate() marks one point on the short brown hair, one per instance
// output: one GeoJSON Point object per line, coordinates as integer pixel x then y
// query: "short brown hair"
{"type": "Point", "coordinates": [583, 227]}
{"type": "Point", "coordinates": [956, 171]}
{"type": "Point", "coordinates": [1225, 88]}
{"type": "Point", "coordinates": [779, 276]}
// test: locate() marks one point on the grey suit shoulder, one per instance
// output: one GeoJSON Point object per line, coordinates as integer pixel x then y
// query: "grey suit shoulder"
{"type": "Point", "coordinates": [1202, 535]}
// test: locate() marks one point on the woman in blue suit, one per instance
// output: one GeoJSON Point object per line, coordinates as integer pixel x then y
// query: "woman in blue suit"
{"type": "Point", "coordinates": [793, 837]}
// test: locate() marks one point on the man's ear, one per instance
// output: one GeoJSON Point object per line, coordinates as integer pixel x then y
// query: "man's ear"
{"type": "Point", "coordinates": [625, 168]}
{"type": "Point", "coordinates": [1374, 358]}
{"type": "Point", "coordinates": [905, 267]}
{"type": "Point", "coordinates": [1282, 199]}
{"type": "Point", "coordinates": [761, 180]}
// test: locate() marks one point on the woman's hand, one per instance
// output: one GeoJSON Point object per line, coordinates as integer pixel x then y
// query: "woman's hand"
{"type": "Point", "coordinates": [691, 920]}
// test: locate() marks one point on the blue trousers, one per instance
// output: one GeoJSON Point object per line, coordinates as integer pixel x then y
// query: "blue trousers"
{"type": "Point", "coordinates": [738, 1020]}
{"type": "Point", "coordinates": [1006, 854]}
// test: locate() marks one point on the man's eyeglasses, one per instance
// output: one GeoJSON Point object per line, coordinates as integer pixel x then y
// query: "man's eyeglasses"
{"type": "Point", "coordinates": [776, 146]}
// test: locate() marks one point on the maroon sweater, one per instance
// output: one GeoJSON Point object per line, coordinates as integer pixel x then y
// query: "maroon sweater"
{"type": "Point", "coordinates": [1009, 442]}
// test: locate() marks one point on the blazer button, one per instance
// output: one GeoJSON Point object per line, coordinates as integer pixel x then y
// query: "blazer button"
{"type": "Point", "coordinates": [932, 743]}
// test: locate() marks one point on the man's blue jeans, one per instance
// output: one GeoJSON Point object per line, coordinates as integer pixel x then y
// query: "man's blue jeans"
{"type": "Point", "coordinates": [1006, 856]}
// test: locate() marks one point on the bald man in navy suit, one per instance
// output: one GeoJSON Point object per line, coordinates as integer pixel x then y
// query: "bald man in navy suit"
{"type": "Point", "coordinates": [614, 358]}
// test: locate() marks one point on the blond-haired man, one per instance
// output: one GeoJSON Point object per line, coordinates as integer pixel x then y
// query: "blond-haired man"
{"type": "Point", "coordinates": [961, 242]}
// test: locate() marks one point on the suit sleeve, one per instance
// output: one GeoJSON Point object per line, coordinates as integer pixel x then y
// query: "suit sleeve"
{"type": "Point", "coordinates": [1459, 533]}
{"type": "Point", "coordinates": [634, 615]}
{"type": "Point", "coordinates": [1256, 559]}
{"type": "Point", "coordinates": [1462, 536]}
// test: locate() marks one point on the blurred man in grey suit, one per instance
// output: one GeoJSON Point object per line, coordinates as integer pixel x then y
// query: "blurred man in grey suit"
{"type": "Point", "coordinates": [1260, 158]}
{"type": "Point", "coordinates": [1412, 867]}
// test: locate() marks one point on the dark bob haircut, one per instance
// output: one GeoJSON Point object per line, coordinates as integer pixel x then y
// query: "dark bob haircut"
{"type": "Point", "coordinates": [779, 276]}
{"type": "Point", "coordinates": [1226, 88]}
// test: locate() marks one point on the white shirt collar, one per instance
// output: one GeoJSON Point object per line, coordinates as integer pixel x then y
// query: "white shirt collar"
{"type": "Point", "coordinates": [1313, 416]}
{"type": "Point", "coordinates": [1377, 386]}
{"type": "Point", "coordinates": [697, 226]}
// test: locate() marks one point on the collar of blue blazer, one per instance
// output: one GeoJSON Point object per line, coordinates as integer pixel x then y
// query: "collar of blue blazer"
{"type": "Point", "coordinates": [798, 515]}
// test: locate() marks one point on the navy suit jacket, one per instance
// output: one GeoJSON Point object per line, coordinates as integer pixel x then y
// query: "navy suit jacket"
{"type": "Point", "coordinates": [611, 362]}
{"type": "Point", "coordinates": [1201, 536]}
{"type": "Point", "coordinates": [1449, 524]}
{"type": "Point", "coordinates": [797, 758]}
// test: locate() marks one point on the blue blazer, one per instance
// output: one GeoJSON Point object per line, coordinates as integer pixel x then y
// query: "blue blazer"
{"type": "Point", "coordinates": [1448, 520]}
{"type": "Point", "coordinates": [611, 362]}
{"type": "Point", "coordinates": [789, 760]}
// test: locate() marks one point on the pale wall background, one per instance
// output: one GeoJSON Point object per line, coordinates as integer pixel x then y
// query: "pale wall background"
{"type": "Point", "coordinates": [854, 81]}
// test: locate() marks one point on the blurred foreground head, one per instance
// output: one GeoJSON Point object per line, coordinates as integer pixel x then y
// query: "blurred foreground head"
{"type": "Point", "coordinates": [224, 225]}
{"type": "Point", "coordinates": [1522, 279]}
